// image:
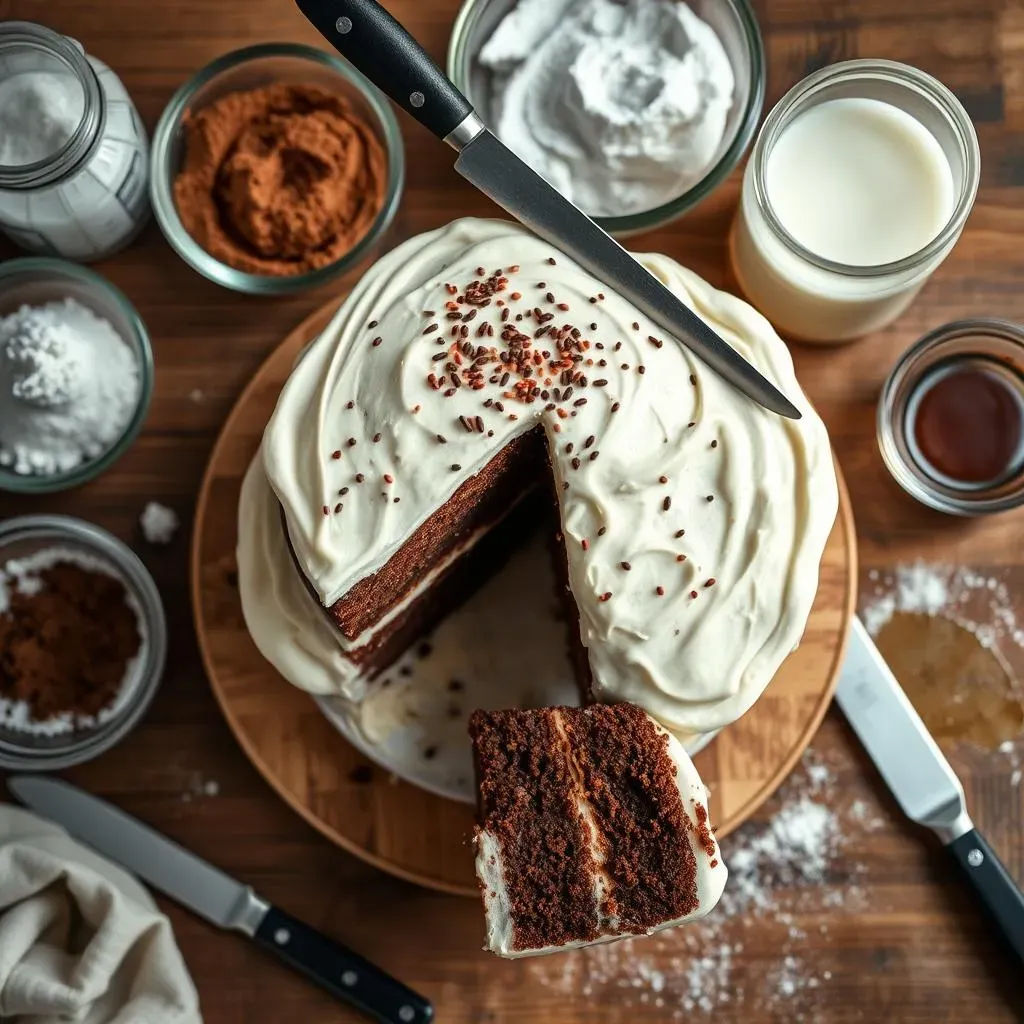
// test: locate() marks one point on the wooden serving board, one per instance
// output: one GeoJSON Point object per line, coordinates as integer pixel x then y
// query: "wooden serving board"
{"type": "Point", "coordinates": [394, 825]}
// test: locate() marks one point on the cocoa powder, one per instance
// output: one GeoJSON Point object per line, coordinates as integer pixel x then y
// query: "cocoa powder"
{"type": "Point", "coordinates": [66, 641]}
{"type": "Point", "coordinates": [279, 180]}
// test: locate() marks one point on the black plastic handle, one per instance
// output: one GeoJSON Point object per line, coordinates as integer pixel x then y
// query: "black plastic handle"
{"type": "Point", "coordinates": [368, 37]}
{"type": "Point", "coordinates": [1002, 900]}
{"type": "Point", "coordinates": [343, 973]}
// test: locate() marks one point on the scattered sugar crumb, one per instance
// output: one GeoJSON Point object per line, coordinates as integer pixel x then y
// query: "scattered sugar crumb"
{"type": "Point", "coordinates": [982, 604]}
{"type": "Point", "coordinates": [198, 787]}
{"type": "Point", "coordinates": [158, 523]}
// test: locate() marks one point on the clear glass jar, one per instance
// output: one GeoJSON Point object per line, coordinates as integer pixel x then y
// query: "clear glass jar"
{"type": "Point", "coordinates": [995, 345]}
{"type": "Point", "coordinates": [82, 196]}
{"type": "Point", "coordinates": [814, 299]}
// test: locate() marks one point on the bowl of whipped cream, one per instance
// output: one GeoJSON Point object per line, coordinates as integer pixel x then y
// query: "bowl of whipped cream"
{"type": "Point", "coordinates": [635, 110]}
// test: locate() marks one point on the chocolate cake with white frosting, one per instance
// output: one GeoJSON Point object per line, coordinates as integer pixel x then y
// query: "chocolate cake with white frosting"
{"type": "Point", "coordinates": [593, 826]}
{"type": "Point", "coordinates": [474, 364]}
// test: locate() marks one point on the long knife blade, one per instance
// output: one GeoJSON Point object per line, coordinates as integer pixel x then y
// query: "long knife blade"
{"type": "Point", "coordinates": [368, 36]}
{"type": "Point", "coordinates": [494, 169]}
{"type": "Point", "coordinates": [162, 863]}
{"type": "Point", "coordinates": [221, 900]}
{"type": "Point", "coordinates": [910, 761]}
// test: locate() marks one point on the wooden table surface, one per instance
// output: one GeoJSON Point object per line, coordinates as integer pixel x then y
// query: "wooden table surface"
{"type": "Point", "coordinates": [889, 935]}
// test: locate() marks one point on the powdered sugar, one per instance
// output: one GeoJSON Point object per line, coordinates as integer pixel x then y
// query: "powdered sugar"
{"type": "Point", "coordinates": [159, 523]}
{"type": "Point", "coordinates": [980, 603]}
{"type": "Point", "coordinates": [69, 384]}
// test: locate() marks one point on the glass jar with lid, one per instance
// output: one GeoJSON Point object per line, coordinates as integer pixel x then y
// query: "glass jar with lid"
{"type": "Point", "coordinates": [74, 157]}
{"type": "Point", "coordinates": [827, 263]}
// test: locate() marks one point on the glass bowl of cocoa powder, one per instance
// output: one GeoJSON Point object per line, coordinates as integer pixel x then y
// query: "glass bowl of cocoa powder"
{"type": "Point", "coordinates": [83, 641]}
{"type": "Point", "coordinates": [276, 168]}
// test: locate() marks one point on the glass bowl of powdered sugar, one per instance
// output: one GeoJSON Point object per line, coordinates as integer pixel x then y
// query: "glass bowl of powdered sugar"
{"type": "Point", "coordinates": [76, 374]}
{"type": "Point", "coordinates": [635, 110]}
{"type": "Point", "coordinates": [83, 641]}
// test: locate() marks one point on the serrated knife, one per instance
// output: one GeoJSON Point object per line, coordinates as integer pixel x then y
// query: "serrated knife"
{"type": "Point", "coordinates": [221, 900]}
{"type": "Point", "coordinates": [922, 780]}
{"type": "Point", "coordinates": [372, 40]}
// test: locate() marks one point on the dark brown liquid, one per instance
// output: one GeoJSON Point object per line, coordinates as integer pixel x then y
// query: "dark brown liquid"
{"type": "Point", "coordinates": [962, 690]}
{"type": "Point", "coordinates": [969, 425]}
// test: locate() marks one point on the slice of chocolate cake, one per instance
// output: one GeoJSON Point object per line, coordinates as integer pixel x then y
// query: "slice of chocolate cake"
{"type": "Point", "coordinates": [593, 826]}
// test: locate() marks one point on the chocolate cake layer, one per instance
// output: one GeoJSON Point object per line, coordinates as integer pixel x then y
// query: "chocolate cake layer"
{"type": "Point", "coordinates": [526, 801]}
{"type": "Point", "coordinates": [592, 826]}
{"type": "Point", "coordinates": [483, 500]}
{"type": "Point", "coordinates": [456, 585]}
{"type": "Point", "coordinates": [630, 784]}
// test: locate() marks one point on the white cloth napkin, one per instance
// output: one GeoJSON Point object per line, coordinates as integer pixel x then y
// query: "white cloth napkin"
{"type": "Point", "coordinates": [80, 939]}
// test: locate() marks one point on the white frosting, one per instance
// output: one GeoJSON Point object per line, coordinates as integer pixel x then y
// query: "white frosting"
{"type": "Point", "coordinates": [695, 663]}
{"type": "Point", "coordinates": [622, 106]}
{"type": "Point", "coordinates": [490, 868]}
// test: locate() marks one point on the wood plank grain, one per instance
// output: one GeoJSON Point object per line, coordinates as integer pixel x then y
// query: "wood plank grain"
{"type": "Point", "coordinates": [913, 946]}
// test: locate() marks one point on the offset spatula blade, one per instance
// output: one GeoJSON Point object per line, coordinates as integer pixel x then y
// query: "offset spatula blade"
{"type": "Point", "coordinates": [922, 780]}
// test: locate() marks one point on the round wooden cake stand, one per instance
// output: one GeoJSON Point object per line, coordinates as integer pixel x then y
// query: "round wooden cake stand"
{"type": "Point", "coordinates": [397, 826]}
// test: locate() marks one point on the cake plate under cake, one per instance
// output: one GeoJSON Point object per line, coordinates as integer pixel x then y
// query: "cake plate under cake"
{"type": "Point", "coordinates": [398, 826]}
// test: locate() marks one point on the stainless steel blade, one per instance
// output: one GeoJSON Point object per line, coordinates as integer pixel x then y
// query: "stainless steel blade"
{"type": "Point", "coordinates": [496, 171]}
{"type": "Point", "coordinates": [898, 742]}
{"type": "Point", "coordinates": [162, 863]}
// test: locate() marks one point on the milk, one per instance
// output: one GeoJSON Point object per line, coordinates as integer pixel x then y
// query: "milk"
{"type": "Point", "coordinates": [859, 181]}
{"type": "Point", "coordinates": [850, 201]}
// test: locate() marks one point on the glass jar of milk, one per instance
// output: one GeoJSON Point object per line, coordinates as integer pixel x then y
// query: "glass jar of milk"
{"type": "Point", "coordinates": [858, 186]}
{"type": "Point", "coordinates": [74, 158]}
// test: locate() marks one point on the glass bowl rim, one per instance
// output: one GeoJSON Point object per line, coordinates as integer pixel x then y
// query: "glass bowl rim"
{"type": "Point", "coordinates": [657, 216]}
{"type": "Point", "coordinates": [161, 192]}
{"type": "Point", "coordinates": [32, 483]}
{"type": "Point", "coordinates": [889, 432]}
{"type": "Point", "coordinates": [80, 748]}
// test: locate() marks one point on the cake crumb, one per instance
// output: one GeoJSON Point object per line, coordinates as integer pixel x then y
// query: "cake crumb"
{"type": "Point", "coordinates": [159, 523]}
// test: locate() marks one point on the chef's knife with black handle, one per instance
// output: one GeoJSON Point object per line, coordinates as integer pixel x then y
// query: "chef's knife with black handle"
{"type": "Point", "coordinates": [921, 779]}
{"type": "Point", "coordinates": [364, 33]}
{"type": "Point", "coordinates": [221, 900]}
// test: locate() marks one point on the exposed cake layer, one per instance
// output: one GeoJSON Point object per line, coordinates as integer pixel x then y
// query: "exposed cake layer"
{"type": "Point", "coordinates": [593, 826]}
{"type": "Point", "coordinates": [482, 501]}
{"type": "Point", "coordinates": [693, 519]}
{"type": "Point", "coordinates": [298, 636]}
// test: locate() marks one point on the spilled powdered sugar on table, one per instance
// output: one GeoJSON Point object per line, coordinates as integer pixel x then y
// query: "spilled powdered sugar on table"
{"type": "Point", "coordinates": [792, 873]}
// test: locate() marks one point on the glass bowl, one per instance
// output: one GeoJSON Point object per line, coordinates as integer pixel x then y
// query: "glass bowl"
{"type": "Point", "coordinates": [736, 26]}
{"type": "Point", "coordinates": [36, 281]}
{"type": "Point", "coordinates": [997, 346]}
{"type": "Point", "coordinates": [252, 68]}
{"type": "Point", "coordinates": [33, 751]}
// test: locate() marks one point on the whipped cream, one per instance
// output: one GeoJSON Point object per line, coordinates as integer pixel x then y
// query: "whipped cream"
{"type": "Point", "coordinates": [622, 106]}
{"type": "Point", "coordinates": [693, 535]}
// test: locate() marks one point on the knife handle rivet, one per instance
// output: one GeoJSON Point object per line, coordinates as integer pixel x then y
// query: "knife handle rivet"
{"type": "Point", "coordinates": [281, 936]}
{"type": "Point", "coordinates": [349, 978]}
{"type": "Point", "coordinates": [417, 99]}
{"type": "Point", "coordinates": [975, 858]}
{"type": "Point", "coordinates": [406, 1013]}
{"type": "Point", "coordinates": [343, 25]}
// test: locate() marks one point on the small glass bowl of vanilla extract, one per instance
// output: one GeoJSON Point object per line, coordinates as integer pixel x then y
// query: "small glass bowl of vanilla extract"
{"type": "Point", "coordinates": [951, 418]}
